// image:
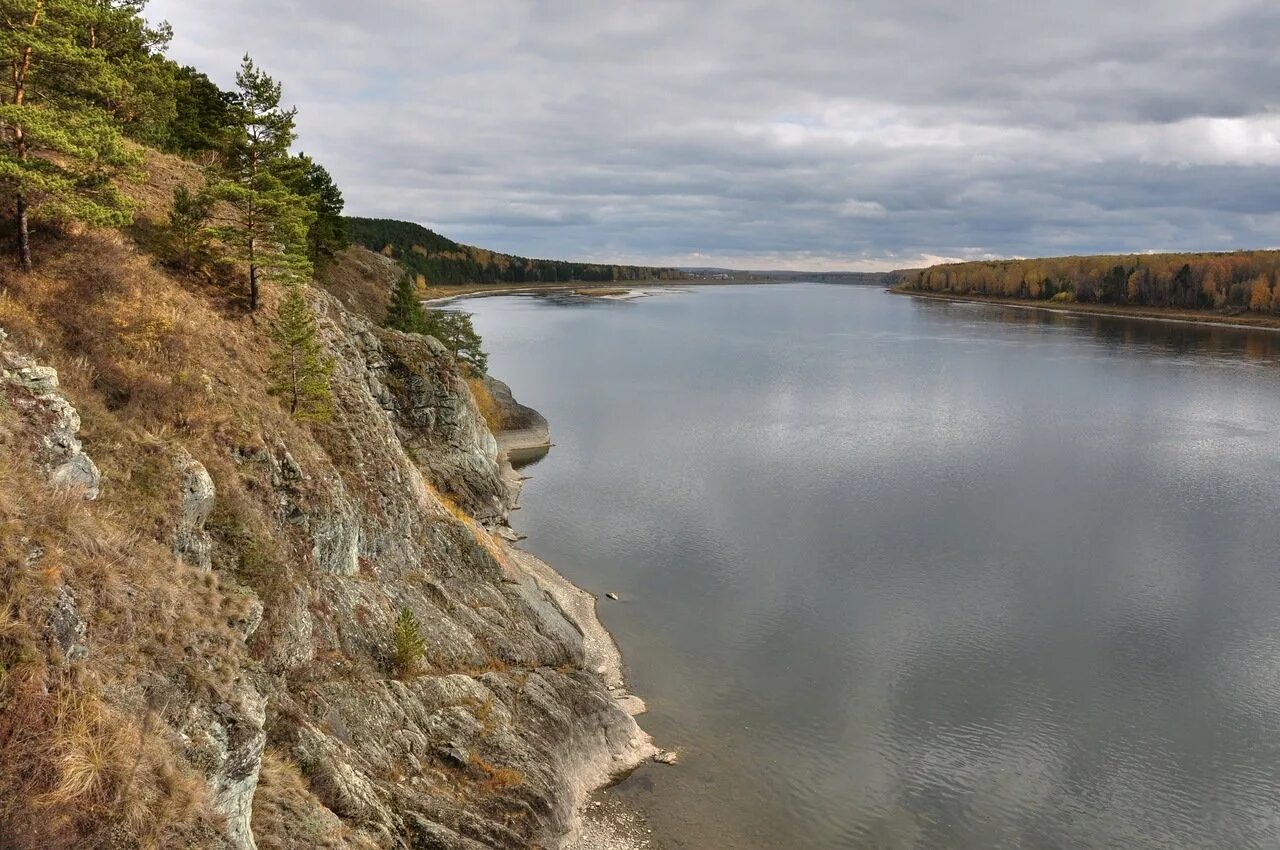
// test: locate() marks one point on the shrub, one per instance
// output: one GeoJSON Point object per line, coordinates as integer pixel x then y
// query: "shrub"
{"type": "Point", "coordinates": [407, 645]}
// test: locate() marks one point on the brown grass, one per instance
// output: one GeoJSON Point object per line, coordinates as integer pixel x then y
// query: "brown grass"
{"type": "Point", "coordinates": [151, 362]}
{"type": "Point", "coordinates": [287, 815]}
{"type": "Point", "coordinates": [489, 409]}
{"type": "Point", "coordinates": [362, 281]}
{"type": "Point", "coordinates": [496, 779]}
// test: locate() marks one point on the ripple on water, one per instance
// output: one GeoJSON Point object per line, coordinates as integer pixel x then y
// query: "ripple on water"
{"type": "Point", "coordinates": [906, 575]}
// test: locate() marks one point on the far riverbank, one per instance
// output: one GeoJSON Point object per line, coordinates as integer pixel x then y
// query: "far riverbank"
{"type": "Point", "coordinates": [1241, 321]}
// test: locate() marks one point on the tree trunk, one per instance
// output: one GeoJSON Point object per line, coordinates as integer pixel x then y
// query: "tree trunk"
{"type": "Point", "coordinates": [253, 270]}
{"type": "Point", "coordinates": [24, 235]}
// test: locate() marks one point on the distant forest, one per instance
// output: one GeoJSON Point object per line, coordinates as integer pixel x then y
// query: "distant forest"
{"type": "Point", "coordinates": [434, 260]}
{"type": "Point", "coordinates": [1243, 281]}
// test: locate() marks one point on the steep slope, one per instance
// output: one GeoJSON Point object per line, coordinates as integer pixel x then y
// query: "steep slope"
{"type": "Point", "coordinates": [200, 594]}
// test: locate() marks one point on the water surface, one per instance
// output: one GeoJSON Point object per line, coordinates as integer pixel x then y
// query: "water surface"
{"type": "Point", "coordinates": [911, 574]}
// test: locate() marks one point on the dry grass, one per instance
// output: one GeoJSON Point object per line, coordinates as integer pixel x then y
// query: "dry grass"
{"type": "Point", "coordinates": [496, 779]}
{"type": "Point", "coordinates": [152, 362]}
{"type": "Point", "coordinates": [489, 409]}
{"type": "Point", "coordinates": [287, 815]}
{"type": "Point", "coordinates": [86, 758]}
{"type": "Point", "coordinates": [362, 281]}
{"type": "Point", "coordinates": [162, 173]}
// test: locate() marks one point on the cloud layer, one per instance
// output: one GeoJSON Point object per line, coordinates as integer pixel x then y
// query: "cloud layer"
{"type": "Point", "coordinates": [813, 134]}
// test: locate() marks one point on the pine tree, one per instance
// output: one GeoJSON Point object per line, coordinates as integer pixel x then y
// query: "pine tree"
{"type": "Point", "coordinates": [405, 313]}
{"type": "Point", "coordinates": [299, 369]}
{"type": "Point", "coordinates": [458, 334]}
{"type": "Point", "coordinates": [204, 118]}
{"type": "Point", "coordinates": [59, 147]}
{"type": "Point", "coordinates": [142, 99]}
{"type": "Point", "coordinates": [327, 234]}
{"type": "Point", "coordinates": [264, 223]}
{"type": "Point", "coordinates": [187, 220]}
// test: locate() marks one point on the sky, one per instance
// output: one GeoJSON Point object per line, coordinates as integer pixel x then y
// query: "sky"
{"type": "Point", "coordinates": [811, 134]}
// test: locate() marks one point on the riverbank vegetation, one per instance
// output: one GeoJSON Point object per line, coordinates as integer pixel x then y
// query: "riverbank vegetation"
{"type": "Point", "coordinates": [1242, 282]}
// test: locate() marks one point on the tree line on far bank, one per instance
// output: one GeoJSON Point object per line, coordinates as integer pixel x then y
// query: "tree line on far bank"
{"type": "Point", "coordinates": [1243, 281]}
{"type": "Point", "coordinates": [435, 260]}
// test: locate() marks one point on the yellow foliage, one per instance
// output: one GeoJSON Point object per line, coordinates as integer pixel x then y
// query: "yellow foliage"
{"type": "Point", "coordinates": [1260, 296]}
{"type": "Point", "coordinates": [1240, 280]}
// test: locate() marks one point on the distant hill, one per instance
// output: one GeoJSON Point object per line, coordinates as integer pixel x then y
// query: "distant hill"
{"type": "Point", "coordinates": [439, 261]}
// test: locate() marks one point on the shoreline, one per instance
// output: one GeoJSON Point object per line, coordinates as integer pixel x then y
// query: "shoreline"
{"type": "Point", "coordinates": [592, 827]}
{"type": "Point", "coordinates": [1169, 315]}
{"type": "Point", "coordinates": [436, 295]}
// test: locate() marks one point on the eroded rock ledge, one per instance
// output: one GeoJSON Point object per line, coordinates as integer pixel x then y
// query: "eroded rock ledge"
{"type": "Point", "coordinates": [524, 434]}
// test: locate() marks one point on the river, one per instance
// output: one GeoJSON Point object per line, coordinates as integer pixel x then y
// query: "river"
{"type": "Point", "coordinates": [912, 574]}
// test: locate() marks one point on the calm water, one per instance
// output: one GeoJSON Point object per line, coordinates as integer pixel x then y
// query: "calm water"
{"type": "Point", "coordinates": [910, 574]}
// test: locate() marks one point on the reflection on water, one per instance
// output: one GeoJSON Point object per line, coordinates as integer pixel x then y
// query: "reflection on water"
{"type": "Point", "coordinates": [905, 573]}
{"type": "Point", "coordinates": [1170, 335]}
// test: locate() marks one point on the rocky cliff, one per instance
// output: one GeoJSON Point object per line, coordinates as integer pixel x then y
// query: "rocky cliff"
{"type": "Point", "coordinates": [200, 594]}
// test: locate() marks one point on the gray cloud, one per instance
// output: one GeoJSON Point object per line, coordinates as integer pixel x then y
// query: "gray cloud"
{"type": "Point", "coordinates": [817, 133]}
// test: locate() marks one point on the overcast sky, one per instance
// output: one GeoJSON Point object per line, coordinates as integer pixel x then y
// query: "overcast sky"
{"type": "Point", "coordinates": [815, 134]}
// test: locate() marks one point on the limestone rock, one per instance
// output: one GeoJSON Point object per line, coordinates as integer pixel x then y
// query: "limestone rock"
{"type": "Point", "coordinates": [68, 626]}
{"type": "Point", "coordinates": [53, 422]}
{"type": "Point", "coordinates": [231, 735]}
{"type": "Point", "coordinates": [524, 434]}
{"type": "Point", "coordinates": [667, 757]}
{"type": "Point", "coordinates": [191, 541]}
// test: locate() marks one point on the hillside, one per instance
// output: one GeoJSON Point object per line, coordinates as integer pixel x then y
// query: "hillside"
{"type": "Point", "coordinates": [1242, 282]}
{"type": "Point", "coordinates": [257, 586]}
{"type": "Point", "coordinates": [437, 261]}
{"type": "Point", "coordinates": [201, 593]}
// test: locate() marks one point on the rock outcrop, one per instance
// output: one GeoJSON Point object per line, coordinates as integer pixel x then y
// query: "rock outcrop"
{"type": "Point", "coordinates": [53, 422]}
{"type": "Point", "coordinates": [523, 433]}
{"type": "Point", "coordinates": [505, 714]}
{"type": "Point", "coordinates": [191, 541]}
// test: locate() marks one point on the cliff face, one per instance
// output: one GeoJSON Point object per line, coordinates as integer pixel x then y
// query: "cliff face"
{"type": "Point", "coordinates": [212, 589]}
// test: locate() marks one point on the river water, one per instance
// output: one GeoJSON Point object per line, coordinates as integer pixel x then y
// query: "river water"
{"type": "Point", "coordinates": [911, 574]}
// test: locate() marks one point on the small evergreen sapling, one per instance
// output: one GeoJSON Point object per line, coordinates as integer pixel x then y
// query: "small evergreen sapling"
{"type": "Point", "coordinates": [188, 218]}
{"type": "Point", "coordinates": [407, 644]}
{"type": "Point", "coordinates": [299, 369]}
